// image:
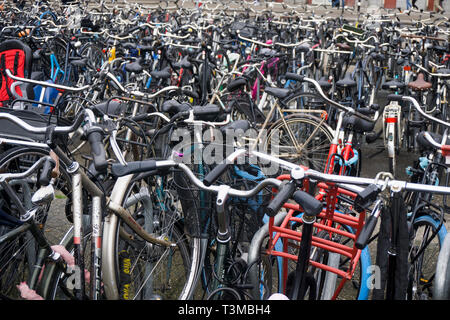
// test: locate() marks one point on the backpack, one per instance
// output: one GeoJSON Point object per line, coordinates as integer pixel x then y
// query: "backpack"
{"type": "Point", "coordinates": [17, 57]}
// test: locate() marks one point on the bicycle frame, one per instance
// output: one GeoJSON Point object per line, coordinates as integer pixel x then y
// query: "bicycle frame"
{"type": "Point", "coordinates": [392, 128]}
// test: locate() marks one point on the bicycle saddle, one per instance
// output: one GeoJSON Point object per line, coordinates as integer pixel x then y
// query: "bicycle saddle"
{"type": "Point", "coordinates": [162, 74]}
{"type": "Point", "coordinates": [236, 125]}
{"type": "Point", "coordinates": [440, 49]}
{"type": "Point", "coordinates": [112, 108]}
{"type": "Point", "coordinates": [324, 84]}
{"type": "Point", "coordinates": [424, 144]}
{"type": "Point", "coordinates": [393, 85]}
{"type": "Point", "coordinates": [400, 61]}
{"type": "Point", "coordinates": [233, 47]}
{"type": "Point", "coordinates": [357, 124]}
{"type": "Point", "coordinates": [377, 56]}
{"type": "Point", "coordinates": [146, 48]}
{"type": "Point", "coordinates": [79, 62]}
{"type": "Point", "coordinates": [173, 107]}
{"type": "Point", "coordinates": [134, 67]}
{"type": "Point", "coordinates": [236, 84]}
{"type": "Point", "coordinates": [347, 82]}
{"type": "Point", "coordinates": [129, 45]}
{"type": "Point", "coordinates": [267, 52]}
{"type": "Point", "coordinates": [206, 113]}
{"type": "Point", "coordinates": [279, 93]}
{"type": "Point", "coordinates": [343, 46]}
{"type": "Point", "coordinates": [184, 63]}
{"type": "Point", "coordinates": [420, 84]}
{"type": "Point", "coordinates": [303, 48]}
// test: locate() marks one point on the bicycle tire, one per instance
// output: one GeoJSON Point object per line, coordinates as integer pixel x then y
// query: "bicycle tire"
{"type": "Point", "coordinates": [169, 230]}
{"type": "Point", "coordinates": [17, 255]}
{"type": "Point", "coordinates": [422, 270]}
{"type": "Point", "coordinates": [307, 128]}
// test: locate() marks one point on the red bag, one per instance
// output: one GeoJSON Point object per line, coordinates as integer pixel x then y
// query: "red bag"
{"type": "Point", "coordinates": [15, 56]}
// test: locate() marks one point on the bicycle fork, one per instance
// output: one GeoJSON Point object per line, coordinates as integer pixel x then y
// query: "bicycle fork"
{"type": "Point", "coordinates": [223, 237]}
{"type": "Point", "coordinates": [300, 283]}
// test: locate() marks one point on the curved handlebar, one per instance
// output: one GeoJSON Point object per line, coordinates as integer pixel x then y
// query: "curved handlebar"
{"type": "Point", "coordinates": [22, 175]}
{"type": "Point", "coordinates": [338, 105]}
{"type": "Point", "coordinates": [46, 84]}
{"type": "Point", "coordinates": [423, 113]}
{"type": "Point", "coordinates": [41, 130]}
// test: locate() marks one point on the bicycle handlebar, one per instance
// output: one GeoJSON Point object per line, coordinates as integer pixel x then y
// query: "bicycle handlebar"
{"type": "Point", "coordinates": [285, 192]}
{"type": "Point", "coordinates": [337, 105]}
{"type": "Point", "coordinates": [442, 75]}
{"type": "Point", "coordinates": [45, 84]}
{"type": "Point", "coordinates": [297, 173]}
{"type": "Point", "coordinates": [42, 130]}
{"type": "Point", "coordinates": [93, 132]}
{"type": "Point", "coordinates": [444, 148]}
{"type": "Point", "coordinates": [416, 105]}
{"type": "Point", "coordinates": [22, 175]}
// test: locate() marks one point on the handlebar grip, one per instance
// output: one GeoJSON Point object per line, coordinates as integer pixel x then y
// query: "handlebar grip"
{"type": "Point", "coordinates": [294, 76]}
{"type": "Point", "coordinates": [179, 115]}
{"type": "Point", "coordinates": [285, 192]}
{"type": "Point", "coordinates": [394, 97]}
{"type": "Point", "coordinates": [120, 170]}
{"type": "Point", "coordinates": [191, 94]}
{"type": "Point", "coordinates": [95, 137]}
{"type": "Point", "coordinates": [46, 172]}
{"type": "Point", "coordinates": [140, 117]}
{"type": "Point", "coordinates": [310, 205]}
{"type": "Point", "coordinates": [209, 109]}
{"type": "Point", "coordinates": [215, 173]}
{"type": "Point", "coordinates": [366, 232]}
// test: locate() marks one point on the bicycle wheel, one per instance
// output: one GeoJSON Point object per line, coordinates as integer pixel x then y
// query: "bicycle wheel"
{"type": "Point", "coordinates": [59, 282]}
{"type": "Point", "coordinates": [18, 254]}
{"type": "Point", "coordinates": [311, 145]}
{"type": "Point", "coordinates": [423, 255]}
{"type": "Point", "coordinates": [142, 270]}
{"type": "Point", "coordinates": [149, 271]}
{"type": "Point", "coordinates": [246, 216]}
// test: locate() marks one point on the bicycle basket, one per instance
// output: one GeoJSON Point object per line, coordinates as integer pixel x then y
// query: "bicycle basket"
{"type": "Point", "coordinates": [197, 205]}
